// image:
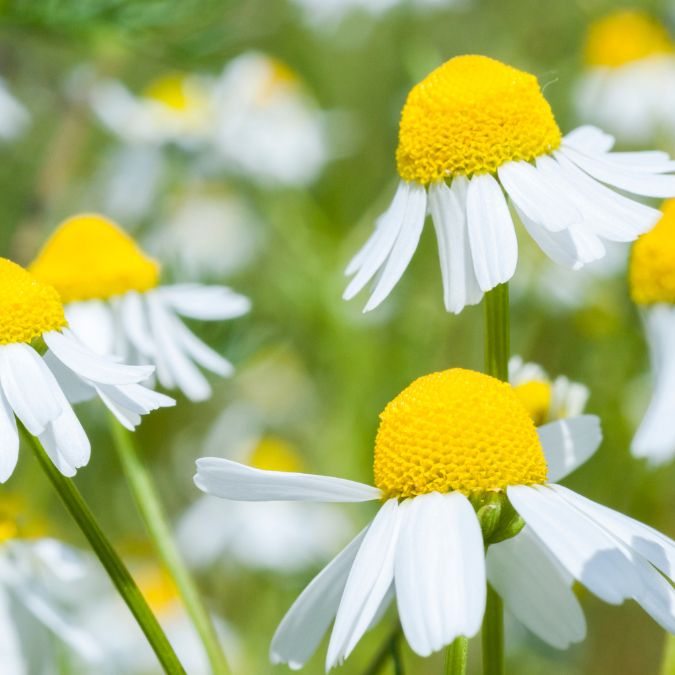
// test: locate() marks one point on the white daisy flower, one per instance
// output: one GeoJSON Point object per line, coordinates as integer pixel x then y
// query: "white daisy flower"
{"type": "Point", "coordinates": [174, 108]}
{"type": "Point", "coordinates": [450, 443]}
{"type": "Point", "coordinates": [267, 127]}
{"type": "Point", "coordinates": [652, 287]}
{"type": "Point", "coordinates": [628, 86]}
{"type": "Point", "coordinates": [546, 400]}
{"type": "Point", "coordinates": [14, 117]}
{"type": "Point", "coordinates": [472, 131]}
{"type": "Point", "coordinates": [115, 305]}
{"type": "Point", "coordinates": [44, 367]}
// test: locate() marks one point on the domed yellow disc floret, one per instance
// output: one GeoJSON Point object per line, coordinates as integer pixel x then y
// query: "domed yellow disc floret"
{"type": "Point", "coordinates": [470, 116]}
{"type": "Point", "coordinates": [625, 36]}
{"type": "Point", "coordinates": [652, 263]}
{"type": "Point", "coordinates": [89, 257]}
{"type": "Point", "coordinates": [536, 397]}
{"type": "Point", "coordinates": [456, 430]}
{"type": "Point", "coordinates": [28, 308]}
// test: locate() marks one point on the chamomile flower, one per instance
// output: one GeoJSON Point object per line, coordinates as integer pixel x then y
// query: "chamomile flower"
{"type": "Point", "coordinates": [450, 442]}
{"type": "Point", "coordinates": [44, 367]}
{"type": "Point", "coordinates": [652, 287]}
{"type": "Point", "coordinates": [473, 130]}
{"type": "Point", "coordinates": [628, 86]}
{"type": "Point", "coordinates": [115, 305]}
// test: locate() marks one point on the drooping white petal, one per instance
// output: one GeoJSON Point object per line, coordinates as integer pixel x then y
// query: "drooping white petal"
{"type": "Point", "coordinates": [492, 237]}
{"type": "Point", "coordinates": [306, 622]}
{"type": "Point", "coordinates": [369, 580]}
{"type": "Point", "coordinates": [655, 437]}
{"type": "Point", "coordinates": [29, 386]}
{"type": "Point", "coordinates": [589, 139]}
{"type": "Point", "coordinates": [448, 213]}
{"type": "Point", "coordinates": [620, 175]}
{"type": "Point", "coordinates": [129, 401]}
{"type": "Point", "coordinates": [532, 194]}
{"type": "Point", "coordinates": [376, 250]}
{"type": "Point", "coordinates": [89, 365]}
{"type": "Point", "coordinates": [134, 319]}
{"type": "Point", "coordinates": [568, 443]}
{"type": "Point", "coordinates": [208, 303]}
{"type": "Point", "coordinates": [536, 589]}
{"type": "Point", "coordinates": [404, 247]}
{"type": "Point", "coordinates": [74, 387]}
{"type": "Point", "coordinates": [585, 550]}
{"type": "Point", "coordinates": [9, 440]}
{"type": "Point", "coordinates": [231, 480]}
{"type": "Point", "coordinates": [439, 571]}
{"type": "Point", "coordinates": [93, 323]}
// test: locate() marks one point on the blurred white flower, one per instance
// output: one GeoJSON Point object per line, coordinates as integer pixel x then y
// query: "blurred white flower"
{"type": "Point", "coordinates": [267, 127]}
{"type": "Point", "coordinates": [628, 86]}
{"type": "Point", "coordinates": [14, 117]}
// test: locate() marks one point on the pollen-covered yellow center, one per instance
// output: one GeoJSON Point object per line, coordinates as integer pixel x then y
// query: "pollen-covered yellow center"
{"type": "Point", "coordinates": [536, 397]}
{"type": "Point", "coordinates": [625, 36]}
{"type": "Point", "coordinates": [275, 454]}
{"type": "Point", "coordinates": [89, 257]}
{"type": "Point", "coordinates": [470, 116]}
{"type": "Point", "coordinates": [456, 430]}
{"type": "Point", "coordinates": [28, 307]}
{"type": "Point", "coordinates": [652, 262]}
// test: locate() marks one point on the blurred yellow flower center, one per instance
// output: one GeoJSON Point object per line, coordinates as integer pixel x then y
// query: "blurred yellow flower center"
{"type": "Point", "coordinates": [17, 520]}
{"type": "Point", "coordinates": [536, 397]}
{"type": "Point", "coordinates": [274, 454]}
{"type": "Point", "coordinates": [625, 36]}
{"type": "Point", "coordinates": [89, 257]}
{"type": "Point", "coordinates": [158, 589]}
{"type": "Point", "coordinates": [456, 430]}
{"type": "Point", "coordinates": [175, 91]}
{"type": "Point", "coordinates": [652, 263]}
{"type": "Point", "coordinates": [470, 116]}
{"type": "Point", "coordinates": [28, 307]}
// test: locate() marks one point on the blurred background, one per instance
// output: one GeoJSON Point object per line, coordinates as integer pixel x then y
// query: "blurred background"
{"type": "Point", "coordinates": [251, 143]}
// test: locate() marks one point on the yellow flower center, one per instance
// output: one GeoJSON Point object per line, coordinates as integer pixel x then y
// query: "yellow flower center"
{"type": "Point", "coordinates": [90, 257]}
{"type": "Point", "coordinates": [470, 116]}
{"type": "Point", "coordinates": [158, 588]}
{"type": "Point", "coordinates": [623, 37]}
{"type": "Point", "coordinates": [536, 397]}
{"type": "Point", "coordinates": [652, 263]}
{"type": "Point", "coordinates": [18, 521]}
{"type": "Point", "coordinates": [176, 91]}
{"type": "Point", "coordinates": [274, 454]}
{"type": "Point", "coordinates": [28, 307]}
{"type": "Point", "coordinates": [456, 430]}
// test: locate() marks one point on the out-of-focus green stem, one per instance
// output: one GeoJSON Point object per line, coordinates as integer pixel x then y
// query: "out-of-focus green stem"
{"type": "Point", "coordinates": [156, 522]}
{"type": "Point", "coordinates": [668, 658]}
{"type": "Point", "coordinates": [456, 657]}
{"type": "Point", "coordinates": [390, 650]}
{"type": "Point", "coordinates": [112, 563]}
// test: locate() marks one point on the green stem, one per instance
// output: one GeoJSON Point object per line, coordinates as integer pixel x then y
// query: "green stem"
{"type": "Point", "coordinates": [456, 657]}
{"type": "Point", "coordinates": [493, 634]}
{"type": "Point", "coordinates": [668, 658]}
{"type": "Point", "coordinates": [156, 522]}
{"type": "Point", "coordinates": [390, 650]}
{"type": "Point", "coordinates": [497, 347]}
{"type": "Point", "coordinates": [113, 564]}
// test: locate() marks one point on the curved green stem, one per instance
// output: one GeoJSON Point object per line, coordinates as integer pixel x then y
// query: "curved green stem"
{"type": "Point", "coordinates": [156, 522]}
{"type": "Point", "coordinates": [456, 657]}
{"type": "Point", "coordinates": [112, 563]}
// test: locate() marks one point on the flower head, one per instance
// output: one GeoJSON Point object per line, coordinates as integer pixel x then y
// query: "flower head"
{"type": "Point", "coordinates": [474, 130]}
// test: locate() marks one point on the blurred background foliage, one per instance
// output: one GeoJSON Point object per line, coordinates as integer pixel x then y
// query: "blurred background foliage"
{"type": "Point", "coordinates": [317, 369]}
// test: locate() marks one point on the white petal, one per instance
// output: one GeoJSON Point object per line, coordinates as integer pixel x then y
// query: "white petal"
{"type": "Point", "coordinates": [13, 659]}
{"type": "Point", "coordinates": [93, 323]}
{"type": "Point", "coordinates": [460, 287]}
{"type": "Point", "coordinates": [369, 580]}
{"type": "Point", "coordinates": [231, 480]}
{"type": "Point", "coordinates": [29, 386]}
{"type": "Point", "coordinates": [649, 161]}
{"type": "Point", "coordinates": [128, 401]}
{"type": "Point", "coordinates": [74, 387]}
{"type": "Point", "coordinates": [620, 175]}
{"type": "Point", "coordinates": [492, 237]}
{"type": "Point", "coordinates": [586, 551]}
{"type": "Point", "coordinates": [569, 443]}
{"type": "Point", "coordinates": [9, 443]}
{"type": "Point", "coordinates": [590, 139]}
{"type": "Point", "coordinates": [133, 314]}
{"type": "Point", "coordinates": [208, 303]}
{"type": "Point", "coordinates": [536, 589]}
{"type": "Point", "coordinates": [532, 194]}
{"type": "Point", "coordinates": [378, 247]}
{"type": "Point", "coordinates": [439, 571]}
{"type": "Point", "coordinates": [304, 625]}
{"type": "Point", "coordinates": [404, 247]}
{"type": "Point", "coordinates": [82, 361]}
